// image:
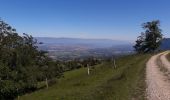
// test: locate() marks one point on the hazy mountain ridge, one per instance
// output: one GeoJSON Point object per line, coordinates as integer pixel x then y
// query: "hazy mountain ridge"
{"type": "Point", "coordinates": [165, 45]}
{"type": "Point", "coordinates": [71, 48]}
{"type": "Point", "coordinates": [102, 43]}
{"type": "Point", "coordinates": [84, 44]}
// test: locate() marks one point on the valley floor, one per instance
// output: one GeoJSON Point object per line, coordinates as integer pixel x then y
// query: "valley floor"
{"type": "Point", "coordinates": [126, 82]}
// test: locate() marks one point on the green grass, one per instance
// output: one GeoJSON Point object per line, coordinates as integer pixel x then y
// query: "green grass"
{"type": "Point", "coordinates": [168, 56]}
{"type": "Point", "coordinates": [127, 82]}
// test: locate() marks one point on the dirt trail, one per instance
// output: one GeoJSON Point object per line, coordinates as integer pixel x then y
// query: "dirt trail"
{"type": "Point", "coordinates": [165, 61]}
{"type": "Point", "coordinates": [158, 85]}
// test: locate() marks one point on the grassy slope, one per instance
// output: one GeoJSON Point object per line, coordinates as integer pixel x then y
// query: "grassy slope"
{"type": "Point", "coordinates": [168, 56]}
{"type": "Point", "coordinates": [104, 83]}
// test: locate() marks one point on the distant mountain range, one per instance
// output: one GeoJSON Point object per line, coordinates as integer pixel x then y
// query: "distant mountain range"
{"type": "Point", "coordinates": [95, 43]}
{"type": "Point", "coordinates": [165, 45]}
{"type": "Point", "coordinates": [71, 48]}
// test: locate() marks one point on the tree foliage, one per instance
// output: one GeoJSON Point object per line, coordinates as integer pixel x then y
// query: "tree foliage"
{"type": "Point", "coordinates": [22, 65]}
{"type": "Point", "coordinates": [149, 40]}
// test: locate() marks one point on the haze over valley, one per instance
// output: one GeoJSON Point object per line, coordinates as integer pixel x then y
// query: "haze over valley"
{"type": "Point", "coordinates": [72, 48]}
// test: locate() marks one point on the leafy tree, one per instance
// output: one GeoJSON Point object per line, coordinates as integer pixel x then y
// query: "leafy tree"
{"type": "Point", "coordinates": [149, 40]}
{"type": "Point", "coordinates": [22, 65]}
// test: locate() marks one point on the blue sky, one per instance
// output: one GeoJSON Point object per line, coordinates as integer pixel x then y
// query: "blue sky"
{"type": "Point", "coordinates": [110, 19]}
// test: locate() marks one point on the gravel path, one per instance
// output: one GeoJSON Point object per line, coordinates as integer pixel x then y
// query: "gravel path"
{"type": "Point", "coordinates": [165, 61]}
{"type": "Point", "coordinates": [158, 85]}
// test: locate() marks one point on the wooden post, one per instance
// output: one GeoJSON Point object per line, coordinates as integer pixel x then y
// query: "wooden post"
{"type": "Point", "coordinates": [114, 63]}
{"type": "Point", "coordinates": [46, 81]}
{"type": "Point", "coordinates": [18, 94]}
{"type": "Point", "coordinates": [18, 97]}
{"type": "Point", "coordinates": [88, 69]}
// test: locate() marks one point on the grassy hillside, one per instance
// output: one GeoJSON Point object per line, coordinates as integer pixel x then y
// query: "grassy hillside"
{"type": "Point", "coordinates": [127, 82]}
{"type": "Point", "coordinates": [168, 56]}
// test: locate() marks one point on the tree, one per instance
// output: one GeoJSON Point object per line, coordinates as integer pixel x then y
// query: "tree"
{"type": "Point", "coordinates": [22, 65]}
{"type": "Point", "coordinates": [149, 40]}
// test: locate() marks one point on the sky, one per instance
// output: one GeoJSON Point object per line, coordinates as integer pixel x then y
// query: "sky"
{"type": "Point", "coordinates": [99, 19]}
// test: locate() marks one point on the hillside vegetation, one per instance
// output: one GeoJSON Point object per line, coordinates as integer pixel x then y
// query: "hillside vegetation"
{"type": "Point", "coordinates": [126, 82]}
{"type": "Point", "coordinates": [168, 56]}
{"type": "Point", "coordinates": [22, 65]}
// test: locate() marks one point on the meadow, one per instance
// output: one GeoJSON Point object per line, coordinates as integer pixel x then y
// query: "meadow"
{"type": "Point", "coordinates": [126, 82]}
